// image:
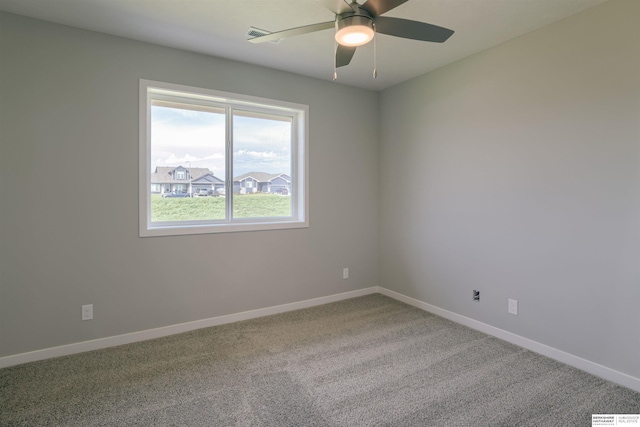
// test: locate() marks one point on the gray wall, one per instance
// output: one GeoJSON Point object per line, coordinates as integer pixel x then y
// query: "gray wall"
{"type": "Point", "coordinates": [69, 194]}
{"type": "Point", "coordinates": [517, 172]}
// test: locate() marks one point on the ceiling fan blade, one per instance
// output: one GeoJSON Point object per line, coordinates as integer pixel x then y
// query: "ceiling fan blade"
{"type": "Point", "coordinates": [293, 32]}
{"type": "Point", "coordinates": [378, 7]}
{"type": "Point", "coordinates": [336, 6]}
{"type": "Point", "coordinates": [344, 55]}
{"type": "Point", "coordinates": [412, 29]}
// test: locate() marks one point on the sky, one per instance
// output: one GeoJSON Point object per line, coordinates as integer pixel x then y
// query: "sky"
{"type": "Point", "coordinates": [197, 139]}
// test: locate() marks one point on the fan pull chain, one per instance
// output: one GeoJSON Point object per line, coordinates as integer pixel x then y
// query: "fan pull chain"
{"type": "Point", "coordinates": [375, 50]}
{"type": "Point", "coordinates": [335, 54]}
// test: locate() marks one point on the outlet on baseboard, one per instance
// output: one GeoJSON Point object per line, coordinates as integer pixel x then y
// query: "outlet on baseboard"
{"type": "Point", "coordinates": [87, 312]}
{"type": "Point", "coordinates": [345, 273]}
{"type": "Point", "coordinates": [513, 306]}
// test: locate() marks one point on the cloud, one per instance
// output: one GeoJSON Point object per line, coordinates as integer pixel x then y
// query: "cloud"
{"type": "Point", "coordinates": [257, 154]}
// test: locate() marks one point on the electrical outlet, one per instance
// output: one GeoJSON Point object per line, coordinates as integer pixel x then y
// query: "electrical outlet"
{"type": "Point", "coordinates": [87, 312]}
{"type": "Point", "coordinates": [476, 295]}
{"type": "Point", "coordinates": [345, 273]}
{"type": "Point", "coordinates": [513, 306]}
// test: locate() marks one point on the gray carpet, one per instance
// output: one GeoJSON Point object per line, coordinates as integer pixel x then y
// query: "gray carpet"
{"type": "Point", "coordinates": [360, 362]}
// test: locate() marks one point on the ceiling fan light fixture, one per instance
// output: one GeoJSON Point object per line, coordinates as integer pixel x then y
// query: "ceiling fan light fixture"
{"type": "Point", "coordinates": [354, 31]}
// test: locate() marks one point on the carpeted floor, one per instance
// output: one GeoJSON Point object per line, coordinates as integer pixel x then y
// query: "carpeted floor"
{"type": "Point", "coordinates": [360, 362]}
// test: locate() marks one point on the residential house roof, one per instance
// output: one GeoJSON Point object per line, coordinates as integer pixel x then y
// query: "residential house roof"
{"type": "Point", "coordinates": [165, 174]}
{"type": "Point", "coordinates": [261, 176]}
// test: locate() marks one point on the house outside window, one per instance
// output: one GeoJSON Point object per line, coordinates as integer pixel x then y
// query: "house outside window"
{"type": "Point", "coordinates": [198, 145]}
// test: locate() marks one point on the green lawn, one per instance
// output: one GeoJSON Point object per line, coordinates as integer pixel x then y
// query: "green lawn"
{"type": "Point", "coordinates": [211, 208]}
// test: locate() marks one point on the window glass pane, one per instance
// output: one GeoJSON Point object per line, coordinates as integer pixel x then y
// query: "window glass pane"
{"type": "Point", "coordinates": [187, 159]}
{"type": "Point", "coordinates": [262, 145]}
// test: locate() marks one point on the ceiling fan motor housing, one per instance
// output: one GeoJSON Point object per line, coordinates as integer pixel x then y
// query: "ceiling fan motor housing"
{"type": "Point", "coordinates": [348, 21]}
{"type": "Point", "coordinates": [357, 16]}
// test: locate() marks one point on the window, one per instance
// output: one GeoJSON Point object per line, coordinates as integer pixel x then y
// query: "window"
{"type": "Point", "coordinates": [241, 146]}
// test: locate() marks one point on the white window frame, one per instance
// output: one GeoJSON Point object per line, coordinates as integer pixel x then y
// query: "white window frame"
{"type": "Point", "coordinates": [299, 158]}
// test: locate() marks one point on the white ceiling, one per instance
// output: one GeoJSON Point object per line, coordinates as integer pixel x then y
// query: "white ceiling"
{"type": "Point", "coordinates": [219, 27]}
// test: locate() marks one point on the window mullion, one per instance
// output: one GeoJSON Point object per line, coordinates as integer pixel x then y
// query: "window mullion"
{"type": "Point", "coordinates": [229, 166]}
{"type": "Point", "coordinates": [293, 165]}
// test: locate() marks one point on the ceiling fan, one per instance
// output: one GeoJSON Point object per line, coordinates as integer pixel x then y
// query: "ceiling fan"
{"type": "Point", "coordinates": [356, 25]}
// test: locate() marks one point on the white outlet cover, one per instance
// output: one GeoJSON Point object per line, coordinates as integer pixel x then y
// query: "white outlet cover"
{"type": "Point", "coordinates": [513, 306]}
{"type": "Point", "coordinates": [345, 273]}
{"type": "Point", "coordinates": [87, 312]}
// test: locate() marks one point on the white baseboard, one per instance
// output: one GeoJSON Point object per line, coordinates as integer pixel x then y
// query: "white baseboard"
{"type": "Point", "coordinates": [553, 353]}
{"type": "Point", "coordinates": [65, 350]}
